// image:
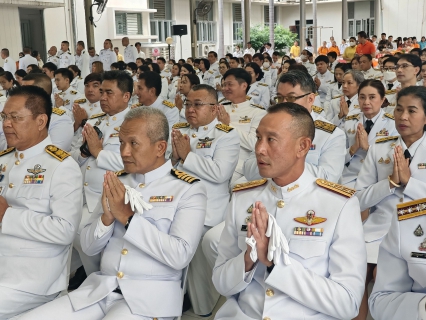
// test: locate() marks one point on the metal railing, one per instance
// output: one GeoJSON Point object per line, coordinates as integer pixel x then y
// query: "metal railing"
{"type": "Point", "coordinates": [238, 31]}
{"type": "Point", "coordinates": [206, 31]}
{"type": "Point", "coordinates": [161, 28]}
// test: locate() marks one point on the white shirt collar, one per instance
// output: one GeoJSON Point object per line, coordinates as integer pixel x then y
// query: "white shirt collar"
{"type": "Point", "coordinates": [155, 174]}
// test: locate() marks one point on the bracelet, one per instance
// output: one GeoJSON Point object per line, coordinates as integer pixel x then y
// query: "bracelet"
{"type": "Point", "coordinates": [393, 183]}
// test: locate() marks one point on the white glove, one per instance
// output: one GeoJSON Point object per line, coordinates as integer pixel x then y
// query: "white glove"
{"type": "Point", "coordinates": [252, 243]}
{"type": "Point", "coordinates": [277, 242]}
{"type": "Point", "coordinates": [136, 201]}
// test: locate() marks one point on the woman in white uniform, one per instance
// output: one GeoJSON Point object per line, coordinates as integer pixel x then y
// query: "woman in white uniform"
{"type": "Point", "coordinates": [335, 88]}
{"type": "Point", "coordinates": [187, 81]}
{"type": "Point", "coordinates": [174, 81]}
{"type": "Point", "coordinates": [393, 173]}
{"type": "Point", "coordinates": [223, 67]}
{"type": "Point", "coordinates": [206, 75]}
{"type": "Point", "coordinates": [259, 92]}
{"type": "Point", "coordinates": [78, 82]}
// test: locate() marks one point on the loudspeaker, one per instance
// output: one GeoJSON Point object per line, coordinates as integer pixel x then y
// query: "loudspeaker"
{"type": "Point", "coordinates": [179, 30]}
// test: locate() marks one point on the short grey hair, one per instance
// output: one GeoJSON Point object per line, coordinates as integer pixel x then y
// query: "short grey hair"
{"type": "Point", "coordinates": [357, 75]}
{"type": "Point", "coordinates": [157, 126]}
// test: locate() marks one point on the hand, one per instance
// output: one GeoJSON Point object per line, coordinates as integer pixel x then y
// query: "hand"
{"type": "Point", "coordinates": [169, 81]}
{"type": "Point", "coordinates": [362, 137]}
{"type": "Point", "coordinates": [3, 207]}
{"type": "Point", "coordinates": [59, 102]}
{"type": "Point", "coordinates": [218, 87]}
{"type": "Point", "coordinates": [222, 115]}
{"type": "Point", "coordinates": [180, 144]}
{"type": "Point", "coordinates": [179, 102]}
{"type": "Point", "coordinates": [93, 142]}
{"type": "Point", "coordinates": [317, 82]}
{"type": "Point", "coordinates": [258, 228]}
{"type": "Point", "coordinates": [79, 115]}
{"type": "Point", "coordinates": [398, 89]}
{"type": "Point", "coordinates": [403, 166]}
{"type": "Point", "coordinates": [115, 193]}
{"type": "Point", "coordinates": [344, 108]}
{"type": "Point", "coordinates": [107, 217]}
{"type": "Point", "coordinates": [394, 176]}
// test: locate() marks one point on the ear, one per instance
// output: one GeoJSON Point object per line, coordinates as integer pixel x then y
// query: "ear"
{"type": "Point", "coordinates": [127, 96]}
{"type": "Point", "coordinates": [161, 147]}
{"type": "Point", "coordinates": [42, 121]}
{"type": "Point", "coordinates": [311, 98]}
{"type": "Point", "coordinates": [304, 145]}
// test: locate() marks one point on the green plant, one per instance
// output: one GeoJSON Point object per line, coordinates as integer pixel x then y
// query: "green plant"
{"type": "Point", "coordinates": [283, 37]}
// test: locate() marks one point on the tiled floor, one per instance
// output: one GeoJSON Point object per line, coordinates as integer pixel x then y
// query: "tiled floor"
{"type": "Point", "coordinates": [190, 315]}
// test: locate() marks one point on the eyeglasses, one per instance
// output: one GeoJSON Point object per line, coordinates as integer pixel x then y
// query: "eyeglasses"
{"type": "Point", "coordinates": [280, 99]}
{"type": "Point", "coordinates": [13, 117]}
{"type": "Point", "coordinates": [403, 66]}
{"type": "Point", "coordinates": [389, 69]}
{"type": "Point", "coordinates": [197, 105]}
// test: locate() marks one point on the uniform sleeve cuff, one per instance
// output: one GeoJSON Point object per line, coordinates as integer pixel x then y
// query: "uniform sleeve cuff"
{"type": "Point", "coordinates": [422, 309]}
{"type": "Point", "coordinates": [102, 229]}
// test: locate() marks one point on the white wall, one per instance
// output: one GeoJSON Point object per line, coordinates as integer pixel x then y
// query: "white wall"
{"type": "Point", "coordinates": [10, 37]}
{"type": "Point", "coordinates": [181, 14]}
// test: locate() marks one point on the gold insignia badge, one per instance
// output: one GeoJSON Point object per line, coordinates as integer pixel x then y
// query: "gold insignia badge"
{"type": "Point", "coordinates": [390, 116]}
{"type": "Point", "coordinates": [325, 126]}
{"type": "Point", "coordinates": [250, 209]}
{"type": "Point", "coordinates": [168, 104]}
{"type": "Point", "coordinates": [224, 127]}
{"type": "Point", "coordinates": [249, 185]}
{"type": "Point", "coordinates": [183, 176]}
{"type": "Point", "coordinates": [9, 150]}
{"type": "Point", "coordinates": [204, 143]}
{"type": "Point", "coordinates": [387, 139]}
{"type": "Point", "coordinates": [411, 209]}
{"type": "Point", "coordinates": [335, 187]}
{"type": "Point", "coordinates": [180, 125]}
{"type": "Point", "coordinates": [80, 101]}
{"type": "Point", "coordinates": [244, 119]}
{"type": "Point", "coordinates": [161, 199]}
{"type": "Point", "coordinates": [317, 109]}
{"type": "Point", "coordinates": [58, 111]}
{"type": "Point", "coordinates": [98, 115]}
{"type": "Point", "coordinates": [353, 117]}
{"type": "Point", "coordinates": [56, 152]}
{"type": "Point", "coordinates": [310, 219]}
{"type": "Point", "coordinates": [121, 173]}
{"type": "Point", "coordinates": [135, 105]}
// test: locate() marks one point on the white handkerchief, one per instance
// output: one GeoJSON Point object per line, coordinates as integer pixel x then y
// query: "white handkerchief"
{"type": "Point", "coordinates": [136, 201]}
{"type": "Point", "coordinates": [278, 243]}
{"type": "Point", "coordinates": [252, 243]}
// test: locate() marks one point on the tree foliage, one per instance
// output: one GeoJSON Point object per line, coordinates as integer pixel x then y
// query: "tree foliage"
{"type": "Point", "coordinates": [260, 34]}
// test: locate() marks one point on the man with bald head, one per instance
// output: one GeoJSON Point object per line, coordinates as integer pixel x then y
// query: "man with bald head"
{"type": "Point", "coordinates": [53, 51]}
{"type": "Point", "coordinates": [130, 52]}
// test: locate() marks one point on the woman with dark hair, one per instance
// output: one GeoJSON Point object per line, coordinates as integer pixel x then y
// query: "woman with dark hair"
{"type": "Point", "coordinates": [223, 67]}
{"type": "Point", "coordinates": [77, 82]}
{"type": "Point", "coordinates": [258, 91]}
{"type": "Point", "coordinates": [7, 82]}
{"type": "Point", "coordinates": [97, 67]}
{"type": "Point", "coordinates": [181, 62]}
{"type": "Point", "coordinates": [247, 58]}
{"type": "Point", "coordinates": [186, 83]}
{"type": "Point", "coordinates": [19, 75]}
{"type": "Point", "coordinates": [393, 174]}
{"type": "Point", "coordinates": [164, 82]}
{"type": "Point", "coordinates": [174, 81]}
{"type": "Point", "coordinates": [355, 63]}
{"type": "Point", "coordinates": [36, 55]}
{"type": "Point", "coordinates": [335, 88]}
{"type": "Point", "coordinates": [132, 67]}
{"type": "Point", "coordinates": [186, 69]}
{"type": "Point", "coordinates": [206, 76]}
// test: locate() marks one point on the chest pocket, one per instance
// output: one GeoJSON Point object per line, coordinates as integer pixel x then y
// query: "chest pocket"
{"type": "Point", "coordinates": [307, 249]}
{"type": "Point", "coordinates": [31, 191]}
{"type": "Point", "coordinates": [161, 216]}
{"type": "Point", "coordinates": [417, 270]}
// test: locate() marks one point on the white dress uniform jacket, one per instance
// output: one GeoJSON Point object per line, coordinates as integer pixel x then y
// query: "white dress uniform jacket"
{"type": "Point", "coordinates": [249, 51]}
{"type": "Point", "coordinates": [384, 126]}
{"type": "Point", "coordinates": [260, 95]}
{"type": "Point", "coordinates": [78, 84]}
{"type": "Point", "coordinates": [207, 77]}
{"type": "Point", "coordinates": [69, 96]}
{"type": "Point", "coordinates": [26, 60]}
{"type": "Point", "coordinates": [91, 60]}
{"type": "Point", "coordinates": [42, 220]}
{"type": "Point", "coordinates": [326, 79]}
{"type": "Point", "coordinates": [333, 92]}
{"type": "Point", "coordinates": [333, 110]}
{"type": "Point", "coordinates": [312, 68]}
{"type": "Point", "coordinates": [107, 57]}
{"type": "Point", "coordinates": [169, 109]}
{"type": "Point", "coordinates": [324, 160]}
{"type": "Point", "coordinates": [326, 277]}
{"type": "Point", "coordinates": [53, 59]}
{"type": "Point", "coordinates": [372, 74]}
{"type": "Point", "coordinates": [91, 109]}
{"type": "Point", "coordinates": [165, 73]}
{"type": "Point", "coordinates": [267, 77]}
{"type": "Point", "coordinates": [400, 288]}
{"type": "Point", "coordinates": [66, 59]}
{"type": "Point", "coordinates": [85, 65]}
{"type": "Point", "coordinates": [373, 188]}
{"type": "Point", "coordinates": [130, 54]}
{"type": "Point", "coordinates": [61, 128]}
{"type": "Point", "coordinates": [147, 259]}
{"type": "Point", "coordinates": [213, 158]}
{"type": "Point", "coordinates": [9, 65]}
{"type": "Point", "coordinates": [173, 88]}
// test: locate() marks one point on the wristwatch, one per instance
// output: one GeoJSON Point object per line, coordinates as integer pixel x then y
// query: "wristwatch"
{"type": "Point", "coordinates": [128, 222]}
{"type": "Point", "coordinates": [269, 269]}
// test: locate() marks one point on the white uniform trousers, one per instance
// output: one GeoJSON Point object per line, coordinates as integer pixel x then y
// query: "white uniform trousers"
{"type": "Point", "coordinates": [112, 307]}
{"type": "Point", "coordinates": [202, 293]}
{"type": "Point", "coordinates": [90, 263]}
{"type": "Point", "coordinates": [14, 302]}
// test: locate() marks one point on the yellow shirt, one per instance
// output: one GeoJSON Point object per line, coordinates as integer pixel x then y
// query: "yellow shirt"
{"type": "Point", "coordinates": [295, 51]}
{"type": "Point", "coordinates": [349, 53]}
{"type": "Point", "coordinates": [120, 57]}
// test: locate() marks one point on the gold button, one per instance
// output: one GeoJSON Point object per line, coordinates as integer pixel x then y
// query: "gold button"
{"type": "Point", "coordinates": [194, 135]}
{"type": "Point", "coordinates": [21, 156]}
{"type": "Point", "coordinates": [108, 124]}
{"type": "Point", "coordinates": [154, 318]}
{"type": "Point", "coordinates": [141, 185]}
{"type": "Point", "coordinates": [205, 128]}
{"type": "Point", "coordinates": [120, 274]}
{"type": "Point", "coordinates": [280, 204]}
{"type": "Point", "coordinates": [233, 110]}
{"type": "Point", "coordinates": [401, 200]}
{"type": "Point", "coordinates": [270, 292]}
{"type": "Point", "coordinates": [114, 118]}
{"type": "Point", "coordinates": [124, 252]}
{"type": "Point", "coordinates": [86, 184]}
{"type": "Point", "coordinates": [266, 318]}
{"type": "Point", "coordinates": [11, 185]}
{"type": "Point", "coordinates": [17, 162]}
{"type": "Point", "coordinates": [88, 167]}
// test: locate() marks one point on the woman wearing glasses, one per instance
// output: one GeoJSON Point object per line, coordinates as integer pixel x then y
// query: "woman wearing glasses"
{"type": "Point", "coordinates": [258, 92]}
{"type": "Point", "coordinates": [223, 67]}
{"type": "Point", "coordinates": [389, 75]}
{"type": "Point", "coordinates": [186, 83]}
{"type": "Point", "coordinates": [394, 173]}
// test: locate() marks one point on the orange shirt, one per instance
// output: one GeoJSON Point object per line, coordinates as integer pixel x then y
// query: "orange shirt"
{"type": "Point", "coordinates": [416, 45]}
{"type": "Point", "coordinates": [366, 48]}
{"type": "Point", "coordinates": [323, 51]}
{"type": "Point", "coordinates": [334, 49]}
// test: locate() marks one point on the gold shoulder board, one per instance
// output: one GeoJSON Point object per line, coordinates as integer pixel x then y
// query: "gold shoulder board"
{"type": "Point", "coordinates": [353, 117]}
{"type": "Point", "coordinates": [258, 106]}
{"type": "Point", "coordinates": [168, 104]}
{"type": "Point", "coordinates": [249, 185]}
{"type": "Point", "coordinates": [224, 127]}
{"type": "Point", "coordinates": [121, 173]}
{"type": "Point", "coordinates": [80, 101]}
{"type": "Point", "coordinates": [181, 125]}
{"type": "Point", "coordinates": [56, 152]}
{"type": "Point", "coordinates": [211, 71]}
{"type": "Point", "coordinates": [390, 116]}
{"type": "Point", "coordinates": [248, 98]}
{"type": "Point", "coordinates": [183, 176]}
{"type": "Point", "coordinates": [58, 111]}
{"type": "Point", "coordinates": [98, 115]}
{"type": "Point", "coordinates": [317, 109]}
{"type": "Point", "coordinates": [390, 91]}
{"type": "Point", "coordinates": [412, 209]}
{"type": "Point", "coordinates": [1, 95]}
{"type": "Point", "coordinates": [9, 150]}
{"type": "Point", "coordinates": [316, 94]}
{"type": "Point", "coordinates": [325, 126]}
{"type": "Point", "coordinates": [387, 139]}
{"type": "Point", "coordinates": [335, 97]}
{"type": "Point", "coordinates": [73, 92]}
{"type": "Point", "coordinates": [221, 100]}
{"type": "Point", "coordinates": [218, 76]}
{"type": "Point", "coordinates": [263, 84]}
{"type": "Point", "coordinates": [136, 105]}
{"type": "Point", "coordinates": [335, 187]}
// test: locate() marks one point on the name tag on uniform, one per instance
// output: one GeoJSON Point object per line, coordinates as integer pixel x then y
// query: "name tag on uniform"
{"type": "Point", "coordinates": [420, 255]}
{"type": "Point", "coordinates": [419, 166]}
{"type": "Point", "coordinates": [161, 199]}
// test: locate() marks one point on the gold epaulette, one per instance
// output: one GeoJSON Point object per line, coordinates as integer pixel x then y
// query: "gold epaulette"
{"type": "Point", "coordinates": [248, 98]}
{"type": "Point", "coordinates": [8, 150]}
{"type": "Point", "coordinates": [80, 101]}
{"type": "Point", "coordinates": [325, 126]}
{"type": "Point", "coordinates": [169, 104]}
{"type": "Point", "coordinates": [58, 111]}
{"type": "Point", "coordinates": [180, 125]}
{"type": "Point", "coordinates": [221, 100]}
{"type": "Point", "coordinates": [135, 105]}
{"type": "Point", "coordinates": [390, 116]}
{"type": "Point", "coordinates": [335, 97]}
{"type": "Point", "coordinates": [120, 173]}
{"type": "Point", "coordinates": [98, 115]}
{"type": "Point", "coordinates": [183, 176]}
{"type": "Point", "coordinates": [411, 209]}
{"type": "Point", "coordinates": [333, 81]}
{"type": "Point", "coordinates": [80, 78]}
{"type": "Point", "coordinates": [353, 117]}
{"type": "Point", "coordinates": [316, 94]}
{"type": "Point", "coordinates": [211, 71]}
{"type": "Point", "coordinates": [335, 187]}
{"type": "Point", "coordinates": [218, 76]}
{"type": "Point", "coordinates": [390, 91]}
{"type": "Point", "coordinates": [317, 109]}
{"type": "Point", "coordinates": [257, 106]}
{"type": "Point", "coordinates": [249, 185]}
{"type": "Point", "coordinates": [224, 127]}
{"type": "Point", "coordinates": [387, 139]}
{"type": "Point", "coordinates": [377, 77]}
{"type": "Point", "coordinates": [56, 152]}
{"type": "Point", "coordinates": [1, 95]}
{"type": "Point", "coordinates": [263, 84]}
{"type": "Point", "coordinates": [73, 92]}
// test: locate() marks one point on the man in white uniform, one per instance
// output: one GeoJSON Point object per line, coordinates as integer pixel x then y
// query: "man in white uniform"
{"type": "Point", "coordinates": [93, 56]}
{"type": "Point", "coordinates": [9, 63]}
{"type": "Point", "coordinates": [52, 56]}
{"type": "Point", "coordinates": [65, 57]}
{"type": "Point", "coordinates": [84, 64]}
{"type": "Point", "coordinates": [249, 49]}
{"type": "Point", "coordinates": [26, 60]}
{"type": "Point", "coordinates": [107, 56]}
{"type": "Point", "coordinates": [141, 54]}
{"type": "Point", "coordinates": [130, 52]}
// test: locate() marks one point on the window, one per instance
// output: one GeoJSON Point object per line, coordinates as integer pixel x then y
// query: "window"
{"type": "Point", "coordinates": [128, 23]}
{"type": "Point", "coordinates": [161, 21]}
{"type": "Point", "coordinates": [351, 28]}
{"type": "Point", "coordinates": [266, 15]}
{"type": "Point", "coordinates": [206, 26]}
{"type": "Point", "coordinates": [238, 22]}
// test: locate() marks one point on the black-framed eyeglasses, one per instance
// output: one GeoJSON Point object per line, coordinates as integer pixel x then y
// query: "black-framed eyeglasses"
{"type": "Point", "coordinates": [197, 105]}
{"type": "Point", "coordinates": [403, 66]}
{"type": "Point", "coordinates": [280, 99]}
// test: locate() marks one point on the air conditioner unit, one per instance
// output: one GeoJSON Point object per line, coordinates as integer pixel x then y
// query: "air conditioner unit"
{"type": "Point", "coordinates": [205, 48]}
{"type": "Point", "coordinates": [229, 49]}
